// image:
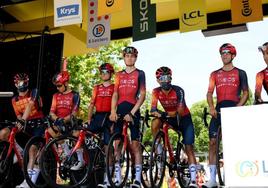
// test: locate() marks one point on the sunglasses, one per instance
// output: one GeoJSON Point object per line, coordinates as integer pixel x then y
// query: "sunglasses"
{"type": "Point", "coordinates": [59, 86]}
{"type": "Point", "coordinates": [104, 71]}
{"type": "Point", "coordinates": [262, 48]}
{"type": "Point", "coordinates": [165, 78]}
{"type": "Point", "coordinates": [225, 52]}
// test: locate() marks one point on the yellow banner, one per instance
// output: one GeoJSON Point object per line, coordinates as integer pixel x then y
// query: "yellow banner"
{"type": "Point", "coordinates": [193, 15]}
{"type": "Point", "coordinates": [109, 6]}
{"type": "Point", "coordinates": [244, 11]}
{"type": "Point", "coordinates": [160, 1]}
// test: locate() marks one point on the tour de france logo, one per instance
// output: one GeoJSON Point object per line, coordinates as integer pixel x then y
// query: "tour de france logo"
{"type": "Point", "coordinates": [98, 30]}
{"type": "Point", "coordinates": [109, 3]}
{"type": "Point", "coordinates": [247, 168]}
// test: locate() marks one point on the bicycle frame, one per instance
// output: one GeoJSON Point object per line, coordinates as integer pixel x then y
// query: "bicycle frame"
{"type": "Point", "coordinates": [166, 127]}
{"type": "Point", "coordinates": [12, 146]}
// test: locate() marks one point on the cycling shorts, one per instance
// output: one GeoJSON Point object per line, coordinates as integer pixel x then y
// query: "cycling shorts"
{"type": "Point", "coordinates": [100, 123]}
{"type": "Point", "coordinates": [123, 109]}
{"type": "Point", "coordinates": [186, 127]}
{"type": "Point", "coordinates": [216, 122]}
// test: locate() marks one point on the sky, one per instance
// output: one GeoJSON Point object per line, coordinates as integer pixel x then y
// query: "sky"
{"type": "Point", "coordinates": [192, 57]}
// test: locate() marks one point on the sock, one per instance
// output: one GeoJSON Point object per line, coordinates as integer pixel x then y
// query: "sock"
{"type": "Point", "coordinates": [212, 169]}
{"type": "Point", "coordinates": [35, 174]}
{"type": "Point", "coordinates": [159, 148]}
{"type": "Point", "coordinates": [80, 155]}
{"type": "Point", "coordinates": [118, 172]}
{"type": "Point", "coordinates": [138, 169]}
{"type": "Point", "coordinates": [192, 168]}
{"type": "Point", "coordinates": [19, 148]}
{"type": "Point", "coordinates": [65, 148]}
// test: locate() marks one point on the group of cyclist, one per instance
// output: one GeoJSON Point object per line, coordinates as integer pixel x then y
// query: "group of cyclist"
{"type": "Point", "coordinates": [124, 98]}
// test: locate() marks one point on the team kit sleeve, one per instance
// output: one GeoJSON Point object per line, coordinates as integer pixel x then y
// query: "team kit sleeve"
{"type": "Point", "coordinates": [212, 83]}
{"type": "Point", "coordinates": [259, 81]}
{"type": "Point", "coordinates": [15, 108]}
{"type": "Point", "coordinates": [154, 101]}
{"type": "Point", "coordinates": [94, 95]}
{"type": "Point", "coordinates": [53, 107]}
{"type": "Point", "coordinates": [243, 80]}
{"type": "Point", "coordinates": [142, 81]}
{"type": "Point", "coordinates": [116, 82]}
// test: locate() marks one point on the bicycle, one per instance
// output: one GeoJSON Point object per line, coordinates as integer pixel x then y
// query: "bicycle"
{"type": "Point", "coordinates": [66, 177]}
{"type": "Point", "coordinates": [219, 150]}
{"type": "Point", "coordinates": [177, 164]}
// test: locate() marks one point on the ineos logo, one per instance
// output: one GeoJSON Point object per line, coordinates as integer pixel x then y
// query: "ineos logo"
{"type": "Point", "coordinates": [191, 15]}
{"type": "Point", "coordinates": [98, 30]}
{"type": "Point", "coordinates": [109, 3]}
{"type": "Point", "coordinates": [246, 11]}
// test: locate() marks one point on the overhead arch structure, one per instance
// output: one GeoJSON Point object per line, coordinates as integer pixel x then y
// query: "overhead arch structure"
{"type": "Point", "coordinates": [30, 16]}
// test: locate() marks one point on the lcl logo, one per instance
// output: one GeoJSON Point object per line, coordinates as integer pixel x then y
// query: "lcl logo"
{"type": "Point", "coordinates": [109, 3]}
{"type": "Point", "coordinates": [187, 17]}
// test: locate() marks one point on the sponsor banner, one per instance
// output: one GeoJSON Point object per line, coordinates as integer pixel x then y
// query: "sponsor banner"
{"type": "Point", "coordinates": [143, 19]}
{"type": "Point", "coordinates": [244, 138]}
{"type": "Point", "coordinates": [98, 31]}
{"type": "Point", "coordinates": [193, 15]}
{"type": "Point", "coordinates": [244, 11]}
{"type": "Point", "coordinates": [67, 12]}
{"type": "Point", "coordinates": [109, 6]}
{"type": "Point", "coordinates": [160, 1]}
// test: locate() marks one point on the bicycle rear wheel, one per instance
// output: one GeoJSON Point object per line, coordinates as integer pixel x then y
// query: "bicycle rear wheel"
{"type": "Point", "coordinates": [158, 160]}
{"type": "Point", "coordinates": [65, 176]}
{"type": "Point", "coordinates": [5, 164]}
{"type": "Point", "coordinates": [99, 166]}
{"type": "Point", "coordinates": [145, 176]}
{"type": "Point", "coordinates": [219, 157]}
{"type": "Point", "coordinates": [117, 155]}
{"type": "Point", "coordinates": [183, 173]}
{"type": "Point", "coordinates": [36, 143]}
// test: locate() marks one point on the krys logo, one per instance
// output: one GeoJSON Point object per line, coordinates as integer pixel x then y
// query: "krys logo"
{"type": "Point", "coordinates": [247, 168]}
{"type": "Point", "coordinates": [69, 10]}
{"type": "Point", "coordinates": [246, 10]}
{"type": "Point", "coordinates": [192, 18]}
{"type": "Point", "coordinates": [109, 3]}
{"type": "Point", "coordinates": [98, 30]}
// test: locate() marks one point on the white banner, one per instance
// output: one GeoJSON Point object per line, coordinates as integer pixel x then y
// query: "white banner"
{"type": "Point", "coordinates": [244, 136]}
{"type": "Point", "coordinates": [98, 31]}
{"type": "Point", "coordinates": [67, 12]}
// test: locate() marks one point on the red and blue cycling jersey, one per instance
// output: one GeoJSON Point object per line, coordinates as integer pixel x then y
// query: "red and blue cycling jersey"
{"type": "Point", "coordinates": [102, 97]}
{"type": "Point", "coordinates": [170, 102]}
{"type": "Point", "coordinates": [262, 80]}
{"type": "Point", "coordinates": [19, 104]}
{"type": "Point", "coordinates": [228, 84]}
{"type": "Point", "coordinates": [129, 85]}
{"type": "Point", "coordinates": [65, 104]}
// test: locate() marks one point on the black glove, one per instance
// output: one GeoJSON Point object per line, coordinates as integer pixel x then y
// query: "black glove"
{"type": "Point", "coordinates": [59, 122]}
{"type": "Point", "coordinates": [164, 115]}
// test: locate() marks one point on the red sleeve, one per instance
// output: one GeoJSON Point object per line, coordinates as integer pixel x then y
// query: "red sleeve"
{"type": "Point", "coordinates": [259, 81]}
{"type": "Point", "coordinates": [154, 100]}
{"type": "Point", "coordinates": [53, 104]}
{"type": "Point", "coordinates": [15, 107]}
{"type": "Point", "coordinates": [94, 95]}
{"type": "Point", "coordinates": [116, 82]}
{"type": "Point", "coordinates": [212, 83]}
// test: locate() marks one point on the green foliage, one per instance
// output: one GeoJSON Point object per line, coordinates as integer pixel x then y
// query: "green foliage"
{"type": "Point", "coordinates": [84, 70]}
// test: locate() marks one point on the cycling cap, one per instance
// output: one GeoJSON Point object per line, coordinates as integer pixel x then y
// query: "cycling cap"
{"type": "Point", "coordinates": [163, 71]}
{"type": "Point", "coordinates": [227, 47]}
{"type": "Point", "coordinates": [21, 77]}
{"type": "Point", "coordinates": [107, 66]}
{"type": "Point", "coordinates": [61, 77]}
{"type": "Point", "coordinates": [130, 50]}
{"type": "Point", "coordinates": [263, 48]}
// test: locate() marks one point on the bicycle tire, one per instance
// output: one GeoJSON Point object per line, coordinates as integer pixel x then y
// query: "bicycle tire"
{"type": "Point", "coordinates": [183, 173]}
{"type": "Point", "coordinates": [156, 176]}
{"type": "Point", "coordinates": [145, 176]}
{"type": "Point", "coordinates": [99, 167]}
{"type": "Point", "coordinates": [219, 156]}
{"type": "Point", "coordinates": [5, 164]}
{"type": "Point", "coordinates": [65, 178]}
{"type": "Point", "coordinates": [39, 142]}
{"type": "Point", "coordinates": [117, 140]}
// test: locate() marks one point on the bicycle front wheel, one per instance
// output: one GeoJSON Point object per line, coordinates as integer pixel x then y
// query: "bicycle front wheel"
{"type": "Point", "coordinates": [158, 160]}
{"type": "Point", "coordinates": [117, 162]}
{"type": "Point", "coordinates": [98, 168]}
{"type": "Point", "coordinates": [36, 146]}
{"type": "Point", "coordinates": [145, 176]}
{"type": "Point", "coordinates": [62, 175]}
{"type": "Point", "coordinates": [219, 157]}
{"type": "Point", "coordinates": [5, 163]}
{"type": "Point", "coordinates": [183, 173]}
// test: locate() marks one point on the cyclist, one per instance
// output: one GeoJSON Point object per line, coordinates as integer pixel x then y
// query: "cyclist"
{"type": "Point", "coordinates": [27, 105]}
{"type": "Point", "coordinates": [65, 106]}
{"type": "Point", "coordinates": [101, 103]}
{"type": "Point", "coordinates": [229, 81]}
{"type": "Point", "coordinates": [129, 95]}
{"type": "Point", "coordinates": [172, 100]}
{"type": "Point", "coordinates": [262, 76]}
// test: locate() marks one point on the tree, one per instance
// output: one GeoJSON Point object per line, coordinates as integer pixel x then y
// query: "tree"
{"type": "Point", "coordinates": [84, 70]}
